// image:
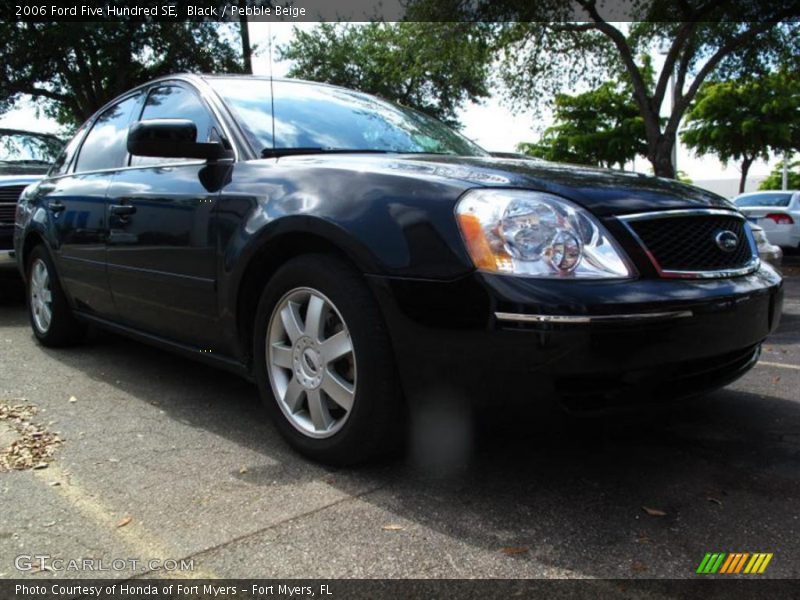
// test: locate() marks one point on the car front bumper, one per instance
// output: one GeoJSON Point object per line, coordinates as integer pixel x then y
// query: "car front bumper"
{"type": "Point", "coordinates": [7, 260]}
{"type": "Point", "coordinates": [585, 346]}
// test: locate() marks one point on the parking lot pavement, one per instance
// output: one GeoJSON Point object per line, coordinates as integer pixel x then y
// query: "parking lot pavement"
{"type": "Point", "coordinates": [165, 459]}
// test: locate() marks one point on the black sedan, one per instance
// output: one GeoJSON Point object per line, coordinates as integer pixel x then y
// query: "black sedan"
{"type": "Point", "coordinates": [358, 259]}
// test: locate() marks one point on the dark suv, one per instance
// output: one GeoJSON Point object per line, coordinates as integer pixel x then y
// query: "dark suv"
{"type": "Point", "coordinates": [355, 258]}
{"type": "Point", "coordinates": [25, 156]}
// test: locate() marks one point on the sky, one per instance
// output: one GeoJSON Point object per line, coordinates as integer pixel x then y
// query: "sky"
{"type": "Point", "coordinates": [490, 123]}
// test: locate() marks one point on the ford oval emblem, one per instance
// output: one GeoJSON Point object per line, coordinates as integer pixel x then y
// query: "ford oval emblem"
{"type": "Point", "coordinates": [727, 240]}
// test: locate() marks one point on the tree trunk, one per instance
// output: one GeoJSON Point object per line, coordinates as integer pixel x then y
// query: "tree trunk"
{"type": "Point", "coordinates": [246, 50]}
{"type": "Point", "coordinates": [661, 160]}
{"type": "Point", "coordinates": [746, 162]}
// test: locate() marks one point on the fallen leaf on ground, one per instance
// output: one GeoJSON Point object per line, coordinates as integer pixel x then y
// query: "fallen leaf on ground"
{"type": "Point", "coordinates": [515, 550]}
{"type": "Point", "coordinates": [243, 470]}
{"type": "Point", "coordinates": [638, 566]}
{"type": "Point", "coordinates": [776, 380]}
{"type": "Point", "coordinates": [393, 528]}
{"type": "Point", "coordinates": [654, 512]}
{"type": "Point", "coordinates": [27, 445]}
{"type": "Point", "coordinates": [124, 522]}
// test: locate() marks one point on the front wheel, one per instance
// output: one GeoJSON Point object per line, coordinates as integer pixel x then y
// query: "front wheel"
{"type": "Point", "coordinates": [323, 362]}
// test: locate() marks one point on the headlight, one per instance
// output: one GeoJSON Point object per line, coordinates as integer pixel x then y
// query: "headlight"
{"type": "Point", "coordinates": [536, 235]}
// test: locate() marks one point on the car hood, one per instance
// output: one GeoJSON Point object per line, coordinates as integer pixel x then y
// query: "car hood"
{"type": "Point", "coordinates": [7, 180]}
{"type": "Point", "coordinates": [602, 191]}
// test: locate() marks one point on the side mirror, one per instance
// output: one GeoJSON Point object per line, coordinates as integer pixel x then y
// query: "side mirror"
{"type": "Point", "coordinates": [172, 138]}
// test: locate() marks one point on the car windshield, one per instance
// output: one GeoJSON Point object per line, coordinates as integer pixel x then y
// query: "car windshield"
{"type": "Point", "coordinates": [319, 118]}
{"type": "Point", "coordinates": [776, 200]}
{"type": "Point", "coordinates": [18, 147]}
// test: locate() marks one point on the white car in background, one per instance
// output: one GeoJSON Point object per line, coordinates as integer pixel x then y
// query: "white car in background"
{"type": "Point", "coordinates": [767, 251]}
{"type": "Point", "coordinates": [778, 213]}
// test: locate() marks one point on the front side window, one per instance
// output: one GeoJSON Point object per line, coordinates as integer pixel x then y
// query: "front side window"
{"type": "Point", "coordinates": [175, 102]}
{"type": "Point", "coordinates": [61, 164]}
{"type": "Point", "coordinates": [329, 118]}
{"type": "Point", "coordinates": [106, 145]}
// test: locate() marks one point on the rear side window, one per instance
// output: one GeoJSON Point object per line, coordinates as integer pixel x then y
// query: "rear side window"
{"type": "Point", "coordinates": [106, 145]}
{"type": "Point", "coordinates": [175, 102]}
{"type": "Point", "coordinates": [776, 200]}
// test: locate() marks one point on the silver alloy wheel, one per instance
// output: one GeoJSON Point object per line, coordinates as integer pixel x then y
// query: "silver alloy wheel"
{"type": "Point", "coordinates": [41, 296]}
{"type": "Point", "coordinates": [311, 363]}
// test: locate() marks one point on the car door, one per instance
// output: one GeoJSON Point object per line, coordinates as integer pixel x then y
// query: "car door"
{"type": "Point", "coordinates": [75, 196]}
{"type": "Point", "coordinates": [160, 245]}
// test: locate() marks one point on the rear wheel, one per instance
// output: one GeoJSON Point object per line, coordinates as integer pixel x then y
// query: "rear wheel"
{"type": "Point", "coordinates": [51, 318]}
{"type": "Point", "coordinates": [323, 362]}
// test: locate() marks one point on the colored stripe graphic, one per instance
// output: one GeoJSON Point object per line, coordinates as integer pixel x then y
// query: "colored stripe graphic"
{"type": "Point", "coordinates": [741, 562]}
{"type": "Point", "coordinates": [730, 561]}
{"type": "Point", "coordinates": [703, 563]}
{"type": "Point", "coordinates": [764, 564]}
{"type": "Point", "coordinates": [734, 563]}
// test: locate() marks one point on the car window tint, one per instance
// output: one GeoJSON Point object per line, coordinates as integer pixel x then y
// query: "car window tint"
{"type": "Point", "coordinates": [105, 146]}
{"type": "Point", "coordinates": [175, 102]}
{"type": "Point", "coordinates": [764, 200]}
{"type": "Point", "coordinates": [62, 162]}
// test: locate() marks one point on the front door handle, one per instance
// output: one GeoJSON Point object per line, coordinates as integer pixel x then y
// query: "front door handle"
{"type": "Point", "coordinates": [122, 210]}
{"type": "Point", "coordinates": [56, 206]}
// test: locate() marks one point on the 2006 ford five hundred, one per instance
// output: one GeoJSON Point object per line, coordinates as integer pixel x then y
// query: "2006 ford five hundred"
{"type": "Point", "coordinates": [350, 255]}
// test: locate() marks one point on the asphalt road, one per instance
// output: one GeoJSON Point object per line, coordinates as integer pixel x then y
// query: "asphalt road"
{"type": "Point", "coordinates": [165, 459]}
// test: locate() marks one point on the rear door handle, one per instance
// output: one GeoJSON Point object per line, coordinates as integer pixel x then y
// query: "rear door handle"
{"type": "Point", "coordinates": [57, 206]}
{"type": "Point", "coordinates": [122, 210]}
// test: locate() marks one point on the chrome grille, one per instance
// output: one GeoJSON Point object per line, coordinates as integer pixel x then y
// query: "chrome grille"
{"type": "Point", "coordinates": [684, 243]}
{"type": "Point", "coordinates": [8, 202]}
{"type": "Point", "coordinates": [11, 193]}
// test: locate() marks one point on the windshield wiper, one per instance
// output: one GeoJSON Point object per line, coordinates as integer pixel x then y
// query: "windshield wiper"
{"type": "Point", "coordinates": [278, 152]}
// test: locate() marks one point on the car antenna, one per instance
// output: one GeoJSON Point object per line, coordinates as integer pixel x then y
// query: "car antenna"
{"type": "Point", "coordinates": [271, 89]}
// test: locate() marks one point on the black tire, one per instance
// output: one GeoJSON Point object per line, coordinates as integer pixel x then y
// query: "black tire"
{"type": "Point", "coordinates": [64, 329]}
{"type": "Point", "coordinates": [375, 424]}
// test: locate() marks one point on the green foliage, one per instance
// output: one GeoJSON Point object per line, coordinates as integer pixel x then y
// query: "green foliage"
{"type": "Point", "coordinates": [433, 67]}
{"type": "Point", "coordinates": [72, 69]}
{"type": "Point", "coordinates": [745, 119]}
{"type": "Point", "coordinates": [602, 127]}
{"type": "Point", "coordinates": [774, 180]}
{"type": "Point", "coordinates": [547, 46]}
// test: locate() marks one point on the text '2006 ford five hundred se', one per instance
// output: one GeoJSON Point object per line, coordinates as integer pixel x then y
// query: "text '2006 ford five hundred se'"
{"type": "Point", "coordinates": [351, 256]}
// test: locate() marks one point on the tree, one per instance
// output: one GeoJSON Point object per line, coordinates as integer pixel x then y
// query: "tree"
{"type": "Point", "coordinates": [745, 119]}
{"type": "Point", "coordinates": [77, 67]}
{"type": "Point", "coordinates": [600, 127]}
{"type": "Point", "coordinates": [774, 181]}
{"type": "Point", "coordinates": [548, 45]}
{"type": "Point", "coordinates": [433, 67]}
